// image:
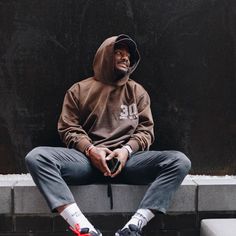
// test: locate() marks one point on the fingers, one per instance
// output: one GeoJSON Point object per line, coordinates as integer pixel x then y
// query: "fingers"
{"type": "Point", "coordinates": [110, 156]}
{"type": "Point", "coordinates": [117, 172]}
{"type": "Point", "coordinates": [98, 158]}
{"type": "Point", "coordinates": [105, 170]}
{"type": "Point", "coordinates": [118, 154]}
{"type": "Point", "coordinates": [103, 166]}
{"type": "Point", "coordinates": [103, 155]}
{"type": "Point", "coordinates": [108, 151]}
{"type": "Point", "coordinates": [100, 163]}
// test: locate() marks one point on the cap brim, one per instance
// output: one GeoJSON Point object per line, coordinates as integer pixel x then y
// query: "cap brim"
{"type": "Point", "coordinates": [125, 40]}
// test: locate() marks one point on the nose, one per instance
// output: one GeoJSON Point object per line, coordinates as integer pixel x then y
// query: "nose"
{"type": "Point", "coordinates": [125, 57]}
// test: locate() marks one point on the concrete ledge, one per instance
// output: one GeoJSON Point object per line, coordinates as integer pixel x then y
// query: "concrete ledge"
{"type": "Point", "coordinates": [28, 199]}
{"type": "Point", "coordinates": [19, 195]}
{"type": "Point", "coordinates": [126, 198]}
{"type": "Point", "coordinates": [218, 227]}
{"type": "Point", "coordinates": [93, 198]}
{"type": "Point", "coordinates": [216, 194]}
{"type": "Point", "coordinates": [6, 196]}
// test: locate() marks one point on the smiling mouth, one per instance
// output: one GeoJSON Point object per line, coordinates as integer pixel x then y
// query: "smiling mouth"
{"type": "Point", "coordinates": [123, 65]}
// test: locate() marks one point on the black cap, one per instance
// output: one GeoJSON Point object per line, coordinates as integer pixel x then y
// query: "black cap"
{"type": "Point", "coordinates": [124, 39]}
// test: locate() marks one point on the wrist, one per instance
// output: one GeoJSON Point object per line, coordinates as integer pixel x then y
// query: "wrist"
{"type": "Point", "coordinates": [128, 149]}
{"type": "Point", "coordinates": [134, 144]}
{"type": "Point", "coordinates": [88, 150]}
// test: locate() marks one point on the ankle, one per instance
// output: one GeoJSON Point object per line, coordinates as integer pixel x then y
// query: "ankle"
{"type": "Point", "coordinates": [62, 208]}
{"type": "Point", "coordinates": [140, 218]}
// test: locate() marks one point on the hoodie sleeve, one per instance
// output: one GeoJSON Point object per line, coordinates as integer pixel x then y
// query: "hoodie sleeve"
{"type": "Point", "coordinates": [69, 128]}
{"type": "Point", "coordinates": [143, 136]}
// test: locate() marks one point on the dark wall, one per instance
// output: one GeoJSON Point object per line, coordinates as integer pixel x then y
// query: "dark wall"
{"type": "Point", "coordinates": [188, 50]}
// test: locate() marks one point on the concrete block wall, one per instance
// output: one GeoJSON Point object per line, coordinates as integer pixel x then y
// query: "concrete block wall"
{"type": "Point", "coordinates": [23, 211]}
{"type": "Point", "coordinates": [218, 227]}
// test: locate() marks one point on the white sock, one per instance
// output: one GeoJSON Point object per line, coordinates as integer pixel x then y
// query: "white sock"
{"type": "Point", "coordinates": [140, 218]}
{"type": "Point", "coordinates": [73, 215]}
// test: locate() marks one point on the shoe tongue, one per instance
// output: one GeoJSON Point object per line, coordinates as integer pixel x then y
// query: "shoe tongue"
{"type": "Point", "coordinates": [84, 230]}
{"type": "Point", "coordinates": [133, 227]}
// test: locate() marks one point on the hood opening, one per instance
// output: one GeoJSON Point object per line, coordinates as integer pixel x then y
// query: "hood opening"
{"type": "Point", "coordinates": [103, 64]}
{"type": "Point", "coordinates": [126, 40]}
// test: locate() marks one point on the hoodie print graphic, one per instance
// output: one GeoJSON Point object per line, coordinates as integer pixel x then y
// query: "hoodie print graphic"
{"type": "Point", "coordinates": [129, 112]}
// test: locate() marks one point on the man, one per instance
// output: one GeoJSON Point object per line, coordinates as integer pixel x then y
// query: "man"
{"type": "Point", "coordinates": [107, 117]}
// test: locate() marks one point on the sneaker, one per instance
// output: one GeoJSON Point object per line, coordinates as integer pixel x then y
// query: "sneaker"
{"type": "Point", "coordinates": [84, 231]}
{"type": "Point", "coordinates": [133, 230]}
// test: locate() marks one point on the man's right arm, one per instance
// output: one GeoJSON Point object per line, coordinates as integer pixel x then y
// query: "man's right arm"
{"type": "Point", "coordinates": [74, 136]}
{"type": "Point", "coordinates": [69, 127]}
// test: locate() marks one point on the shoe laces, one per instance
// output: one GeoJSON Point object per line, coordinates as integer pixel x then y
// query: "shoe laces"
{"type": "Point", "coordinates": [79, 232]}
{"type": "Point", "coordinates": [132, 230]}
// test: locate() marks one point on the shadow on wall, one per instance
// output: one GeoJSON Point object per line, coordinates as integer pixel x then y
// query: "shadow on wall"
{"type": "Point", "coordinates": [29, 98]}
{"type": "Point", "coordinates": [8, 164]}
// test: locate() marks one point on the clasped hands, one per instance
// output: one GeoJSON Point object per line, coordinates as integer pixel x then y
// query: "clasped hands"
{"type": "Point", "coordinates": [100, 155]}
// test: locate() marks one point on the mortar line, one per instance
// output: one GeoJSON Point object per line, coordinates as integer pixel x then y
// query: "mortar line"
{"type": "Point", "coordinates": [197, 203]}
{"type": "Point", "coordinates": [13, 205]}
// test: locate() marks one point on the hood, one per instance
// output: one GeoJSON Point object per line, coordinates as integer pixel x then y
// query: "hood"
{"type": "Point", "coordinates": [103, 64]}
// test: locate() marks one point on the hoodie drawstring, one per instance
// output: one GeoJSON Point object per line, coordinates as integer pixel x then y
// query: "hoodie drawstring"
{"type": "Point", "coordinates": [109, 194]}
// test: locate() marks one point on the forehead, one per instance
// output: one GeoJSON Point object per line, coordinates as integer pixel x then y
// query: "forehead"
{"type": "Point", "coordinates": [122, 46]}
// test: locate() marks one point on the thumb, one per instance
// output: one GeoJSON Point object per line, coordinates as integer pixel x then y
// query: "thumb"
{"type": "Point", "coordinates": [108, 151]}
{"type": "Point", "coordinates": [110, 156]}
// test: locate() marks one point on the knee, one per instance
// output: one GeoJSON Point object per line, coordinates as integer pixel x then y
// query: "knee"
{"type": "Point", "coordinates": [183, 162]}
{"type": "Point", "coordinates": [31, 159]}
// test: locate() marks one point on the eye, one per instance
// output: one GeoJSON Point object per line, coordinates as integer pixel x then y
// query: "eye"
{"type": "Point", "coordinates": [117, 52]}
{"type": "Point", "coordinates": [122, 53]}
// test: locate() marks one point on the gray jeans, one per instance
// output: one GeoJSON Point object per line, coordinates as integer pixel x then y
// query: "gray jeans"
{"type": "Point", "coordinates": [54, 168]}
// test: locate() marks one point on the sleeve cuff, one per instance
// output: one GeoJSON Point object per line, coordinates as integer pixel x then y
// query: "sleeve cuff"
{"type": "Point", "coordinates": [83, 144]}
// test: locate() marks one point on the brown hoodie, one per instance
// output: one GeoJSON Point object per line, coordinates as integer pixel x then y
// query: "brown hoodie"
{"type": "Point", "coordinates": [104, 111]}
